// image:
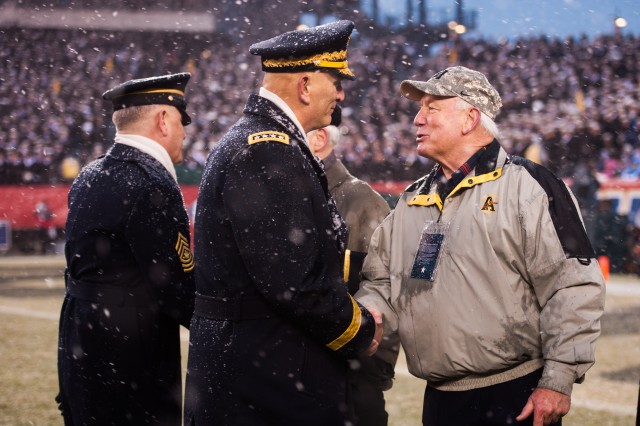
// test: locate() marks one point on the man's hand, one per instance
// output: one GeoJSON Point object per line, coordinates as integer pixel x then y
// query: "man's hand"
{"type": "Point", "coordinates": [377, 336]}
{"type": "Point", "coordinates": [546, 405]}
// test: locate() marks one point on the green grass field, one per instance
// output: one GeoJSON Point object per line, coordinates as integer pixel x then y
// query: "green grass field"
{"type": "Point", "coordinates": [31, 291]}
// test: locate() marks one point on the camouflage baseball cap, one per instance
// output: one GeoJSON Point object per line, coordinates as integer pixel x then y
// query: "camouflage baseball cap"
{"type": "Point", "coordinates": [467, 84]}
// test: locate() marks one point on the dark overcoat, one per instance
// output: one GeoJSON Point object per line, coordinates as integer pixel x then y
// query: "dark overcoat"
{"type": "Point", "coordinates": [129, 287]}
{"type": "Point", "coordinates": [273, 320]}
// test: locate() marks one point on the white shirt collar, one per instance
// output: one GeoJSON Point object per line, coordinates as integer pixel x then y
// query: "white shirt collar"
{"type": "Point", "coordinates": [285, 108]}
{"type": "Point", "coordinates": [148, 146]}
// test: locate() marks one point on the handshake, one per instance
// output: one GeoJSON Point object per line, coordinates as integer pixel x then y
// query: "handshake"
{"type": "Point", "coordinates": [377, 336]}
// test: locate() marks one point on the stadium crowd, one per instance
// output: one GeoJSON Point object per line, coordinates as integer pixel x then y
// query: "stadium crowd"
{"type": "Point", "coordinates": [572, 104]}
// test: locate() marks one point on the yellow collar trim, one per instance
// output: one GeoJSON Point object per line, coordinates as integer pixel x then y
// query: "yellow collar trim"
{"type": "Point", "coordinates": [351, 331]}
{"type": "Point", "coordinates": [426, 200]}
{"type": "Point", "coordinates": [476, 180]}
{"type": "Point", "coordinates": [327, 60]}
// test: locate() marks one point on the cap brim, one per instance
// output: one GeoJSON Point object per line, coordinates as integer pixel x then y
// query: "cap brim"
{"type": "Point", "coordinates": [186, 119]}
{"type": "Point", "coordinates": [415, 90]}
{"type": "Point", "coordinates": [346, 73]}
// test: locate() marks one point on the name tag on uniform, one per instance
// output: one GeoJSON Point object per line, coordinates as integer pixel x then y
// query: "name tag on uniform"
{"type": "Point", "coordinates": [425, 264]}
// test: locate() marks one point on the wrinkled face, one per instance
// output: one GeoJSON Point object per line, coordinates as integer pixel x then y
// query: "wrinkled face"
{"type": "Point", "coordinates": [327, 92]}
{"type": "Point", "coordinates": [176, 134]}
{"type": "Point", "coordinates": [439, 123]}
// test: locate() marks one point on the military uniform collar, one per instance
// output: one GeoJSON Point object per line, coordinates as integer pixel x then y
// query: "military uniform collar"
{"type": "Point", "coordinates": [150, 147]}
{"type": "Point", "coordinates": [285, 108]}
{"type": "Point", "coordinates": [493, 158]}
{"type": "Point", "coordinates": [336, 172]}
{"type": "Point", "coordinates": [330, 160]}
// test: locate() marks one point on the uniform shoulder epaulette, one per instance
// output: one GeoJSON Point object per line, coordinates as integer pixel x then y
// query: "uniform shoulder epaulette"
{"type": "Point", "coordinates": [269, 136]}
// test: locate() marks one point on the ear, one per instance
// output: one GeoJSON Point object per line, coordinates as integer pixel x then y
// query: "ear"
{"type": "Point", "coordinates": [316, 140]}
{"type": "Point", "coordinates": [471, 121]}
{"type": "Point", "coordinates": [304, 91]}
{"type": "Point", "coordinates": [162, 118]}
{"type": "Point", "coordinates": [321, 138]}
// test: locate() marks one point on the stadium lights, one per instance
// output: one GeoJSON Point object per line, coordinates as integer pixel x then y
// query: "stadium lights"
{"type": "Point", "coordinates": [457, 28]}
{"type": "Point", "coordinates": [460, 29]}
{"type": "Point", "coordinates": [620, 22]}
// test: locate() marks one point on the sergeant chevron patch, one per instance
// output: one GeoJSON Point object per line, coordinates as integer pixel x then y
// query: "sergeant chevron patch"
{"type": "Point", "coordinates": [184, 252]}
{"type": "Point", "coordinates": [269, 136]}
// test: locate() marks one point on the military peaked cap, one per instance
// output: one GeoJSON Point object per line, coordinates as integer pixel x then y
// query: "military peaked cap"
{"type": "Point", "coordinates": [165, 90]}
{"type": "Point", "coordinates": [319, 48]}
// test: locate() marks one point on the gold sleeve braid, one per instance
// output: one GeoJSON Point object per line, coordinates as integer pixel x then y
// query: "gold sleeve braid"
{"type": "Point", "coordinates": [351, 331]}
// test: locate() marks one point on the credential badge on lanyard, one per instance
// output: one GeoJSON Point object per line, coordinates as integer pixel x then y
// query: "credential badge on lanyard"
{"type": "Point", "coordinates": [425, 264]}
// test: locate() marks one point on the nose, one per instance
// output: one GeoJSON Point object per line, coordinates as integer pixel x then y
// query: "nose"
{"type": "Point", "coordinates": [419, 119]}
{"type": "Point", "coordinates": [340, 95]}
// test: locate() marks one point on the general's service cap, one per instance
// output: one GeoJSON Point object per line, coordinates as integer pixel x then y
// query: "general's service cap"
{"type": "Point", "coordinates": [165, 89]}
{"type": "Point", "coordinates": [467, 84]}
{"type": "Point", "coordinates": [318, 48]}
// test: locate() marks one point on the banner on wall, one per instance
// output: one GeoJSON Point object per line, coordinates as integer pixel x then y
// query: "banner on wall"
{"type": "Point", "coordinates": [20, 205]}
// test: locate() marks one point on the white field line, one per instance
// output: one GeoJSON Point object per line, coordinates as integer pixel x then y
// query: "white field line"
{"type": "Point", "coordinates": [591, 404]}
{"type": "Point", "coordinates": [623, 289]}
{"type": "Point", "coordinates": [400, 370]}
{"type": "Point", "coordinates": [11, 310]}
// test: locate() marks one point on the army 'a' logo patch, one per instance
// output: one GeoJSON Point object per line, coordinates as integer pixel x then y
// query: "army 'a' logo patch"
{"type": "Point", "coordinates": [184, 253]}
{"type": "Point", "coordinates": [490, 204]}
{"type": "Point", "coordinates": [272, 136]}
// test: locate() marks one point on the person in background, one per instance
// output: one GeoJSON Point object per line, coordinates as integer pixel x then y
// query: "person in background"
{"type": "Point", "coordinates": [360, 205]}
{"type": "Point", "coordinates": [273, 324]}
{"type": "Point", "coordinates": [484, 269]}
{"type": "Point", "coordinates": [46, 228]}
{"type": "Point", "coordinates": [129, 276]}
{"type": "Point", "coordinates": [363, 209]}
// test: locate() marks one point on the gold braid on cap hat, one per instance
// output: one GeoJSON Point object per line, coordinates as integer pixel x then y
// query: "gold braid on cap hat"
{"type": "Point", "coordinates": [324, 60]}
{"type": "Point", "coordinates": [144, 92]}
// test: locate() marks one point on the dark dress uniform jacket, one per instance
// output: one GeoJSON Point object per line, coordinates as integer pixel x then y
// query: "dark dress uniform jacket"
{"type": "Point", "coordinates": [129, 287]}
{"type": "Point", "coordinates": [268, 345]}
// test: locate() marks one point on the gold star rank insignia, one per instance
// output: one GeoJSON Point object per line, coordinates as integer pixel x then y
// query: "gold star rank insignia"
{"type": "Point", "coordinates": [272, 136]}
{"type": "Point", "coordinates": [184, 253]}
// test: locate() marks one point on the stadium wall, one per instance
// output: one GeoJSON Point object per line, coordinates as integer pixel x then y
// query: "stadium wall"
{"type": "Point", "coordinates": [105, 19]}
{"type": "Point", "coordinates": [18, 203]}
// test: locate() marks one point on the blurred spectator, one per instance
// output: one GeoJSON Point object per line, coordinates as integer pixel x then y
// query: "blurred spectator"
{"type": "Point", "coordinates": [47, 233]}
{"type": "Point", "coordinates": [574, 101]}
{"type": "Point", "coordinates": [610, 236]}
{"type": "Point", "coordinates": [566, 98]}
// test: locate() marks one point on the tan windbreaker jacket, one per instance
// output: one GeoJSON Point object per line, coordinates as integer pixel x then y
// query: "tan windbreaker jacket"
{"type": "Point", "coordinates": [517, 286]}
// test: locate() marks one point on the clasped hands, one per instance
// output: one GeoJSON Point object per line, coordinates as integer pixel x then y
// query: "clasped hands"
{"type": "Point", "coordinates": [377, 336]}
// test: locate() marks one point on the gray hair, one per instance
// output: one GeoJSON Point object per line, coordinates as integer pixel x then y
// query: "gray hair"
{"type": "Point", "coordinates": [125, 117]}
{"type": "Point", "coordinates": [485, 121]}
{"type": "Point", "coordinates": [333, 134]}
